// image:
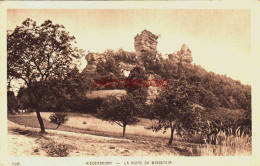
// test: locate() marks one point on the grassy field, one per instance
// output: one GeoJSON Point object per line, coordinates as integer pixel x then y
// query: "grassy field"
{"type": "Point", "coordinates": [88, 124]}
{"type": "Point", "coordinates": [83, 122]}
{"type": "Point", "coordinates": [27, 141]}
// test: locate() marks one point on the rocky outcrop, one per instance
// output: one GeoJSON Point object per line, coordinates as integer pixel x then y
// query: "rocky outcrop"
{"type": "Point", "coordinates": [184, 55]}
{"type": "Point", "coordinates": [146, 42]}
{"type": "Point", "coordinates": [92, 60]}
{"type": "Point", "coordinates": [92, 63]}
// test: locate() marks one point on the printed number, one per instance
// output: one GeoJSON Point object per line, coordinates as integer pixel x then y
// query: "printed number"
{"type": "Point", "coordinates": [16, 163]}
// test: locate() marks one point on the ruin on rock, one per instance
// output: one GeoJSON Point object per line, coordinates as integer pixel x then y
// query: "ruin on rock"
{"type": "Point", "coordinates": [146, 42]}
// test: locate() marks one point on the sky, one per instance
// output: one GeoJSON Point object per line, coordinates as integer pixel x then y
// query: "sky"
{"type": "Point", "coordinates": [219, 39]}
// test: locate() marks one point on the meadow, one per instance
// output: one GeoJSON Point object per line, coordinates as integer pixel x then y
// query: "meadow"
{"type": "Point", "coordinates": [226, 145]}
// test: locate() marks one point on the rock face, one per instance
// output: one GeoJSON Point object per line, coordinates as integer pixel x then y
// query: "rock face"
{"type": "Point", "coordinates": [184, 55]}
{"type": "Point", "coordinates": [92, 63]}
{"type": "Point", "coordinates": [92, 59]}
{"type": "Point", "coordinates": [146, 42]}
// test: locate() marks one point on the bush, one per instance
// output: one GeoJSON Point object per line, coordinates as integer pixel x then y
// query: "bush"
{"type": "Point", "coordinates": [57, 150]}
{"type": "Point", "coordinates": [58, 118]}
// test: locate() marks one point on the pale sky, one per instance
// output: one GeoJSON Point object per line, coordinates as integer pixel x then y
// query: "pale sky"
{"type": "Point", "coordinates": [219, 39]}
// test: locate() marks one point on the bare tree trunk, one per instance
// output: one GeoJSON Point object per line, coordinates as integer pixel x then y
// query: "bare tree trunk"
{"type": "Point", "coordinates": [35, 106]}
{"type": "Point", "coordinates": [172, 126]}
{"type": "Point", "coordinates": [171, 138]}
{"type": "Point", "coordinates": [124, 130]}
{"type": "Point", "coordinates": [40, 121]}
{"type": "Point", "coordinates": [57, 127]}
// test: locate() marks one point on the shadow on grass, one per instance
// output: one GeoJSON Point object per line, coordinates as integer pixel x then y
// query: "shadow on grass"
{"type": "Point", "coordinates": [29, 133]}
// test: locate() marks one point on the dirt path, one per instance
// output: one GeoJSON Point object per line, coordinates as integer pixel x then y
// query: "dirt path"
{"type": "Point", "coordinates": [27, 141]}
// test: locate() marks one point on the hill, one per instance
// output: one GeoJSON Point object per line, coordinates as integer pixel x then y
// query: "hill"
{"type": "Point", "coordinates": [216, 90]}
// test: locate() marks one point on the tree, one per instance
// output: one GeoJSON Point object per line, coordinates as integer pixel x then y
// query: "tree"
{"type": "Point", "coordinates": [139, 93]}
{"type": "Point", "coordinates": [37, 54]}
{"type": "Point", "coordinates": [174, 108]}
{"type": "Point", "coordinates": [208, 99]}
{"type": "Point", "coordinates": [58, 118]}
{"type": "Point", "coordinates": [23, 98]}
{"type": "Point", "coordinates": [121, 111]}
{"type": "Point", "coordinates": [12, 103]}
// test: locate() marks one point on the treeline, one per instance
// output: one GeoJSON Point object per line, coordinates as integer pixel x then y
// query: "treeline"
{"type": "Point", "coordinates": [221, 90]}
{"type": "Point", "coordinates": [226, 102]}
{"type": "Point", "coordinates": [216, 90]}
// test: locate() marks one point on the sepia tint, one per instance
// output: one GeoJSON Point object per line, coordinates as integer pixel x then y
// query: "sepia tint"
{"type": "Point", "coordinates": [128, 82]}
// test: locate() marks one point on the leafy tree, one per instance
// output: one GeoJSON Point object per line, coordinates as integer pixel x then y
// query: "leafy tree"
{"type": "Point", "coordinates": [12, 102]}
{"type": "Point", "coordinates": [61, 95]}
{"type": "Point", "coordinates": [208, 99]}
{"type": "Point", "coordinates": [23, 98]}
{"type": "Point", "coordinates": [58, 118]}
{"type": "Point", "coordinates": [37, 54]}
{"type": "Point", "coordinates": [138, 92]}
{"type": "Point", "coordinates": [66, 94]}
{"type": "Point", "coordinates": [126, 57]}
{"type": "Point", "coordinates": [121, 111]}
{"type": "Point", "coordinates": [174, 109]}
{"type": "Point", "coordinates": [148, 60]}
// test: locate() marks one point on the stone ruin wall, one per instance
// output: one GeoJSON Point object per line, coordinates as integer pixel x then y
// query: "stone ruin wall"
{"type": "Point", "coordinates": [145, 42]}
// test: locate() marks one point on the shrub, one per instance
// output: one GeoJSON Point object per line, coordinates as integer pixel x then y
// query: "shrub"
{"type": "Point", "coordinates": [57, 150]}
{"type": "Point", "coordinates": [58, 118]}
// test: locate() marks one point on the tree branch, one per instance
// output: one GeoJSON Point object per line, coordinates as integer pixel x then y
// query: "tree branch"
{"type": "Point", "coordinates": [119, 124]}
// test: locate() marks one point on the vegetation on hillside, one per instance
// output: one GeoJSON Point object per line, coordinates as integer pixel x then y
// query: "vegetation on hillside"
{"type": "Point", "coordinates": [195, 102]}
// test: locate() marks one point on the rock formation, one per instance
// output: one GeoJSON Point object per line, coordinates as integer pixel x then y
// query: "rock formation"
{"type": "Point", "coordinates": [145, 45]}
{"type": "Point", "coordinates": [184, 55]}
{"type": "Point", "coordinates": [92, 63]}
{"type": "Point", "coordinates": [92, 59]}
{"type": "Point", "coordinates": [146, 42]}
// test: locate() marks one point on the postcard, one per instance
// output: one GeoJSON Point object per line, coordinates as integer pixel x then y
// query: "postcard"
{"type": "Point", "coordinates": [129, 83]}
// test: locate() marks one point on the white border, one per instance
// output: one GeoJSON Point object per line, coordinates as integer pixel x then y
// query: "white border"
{"type": "Point", "coordinates": [253, 6]}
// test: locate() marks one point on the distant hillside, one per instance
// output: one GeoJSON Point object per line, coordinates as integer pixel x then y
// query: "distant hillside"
{"type": "Point", "coordinates": [229, 93]}
{"type": "Point", "coordinates": [215, 90]}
